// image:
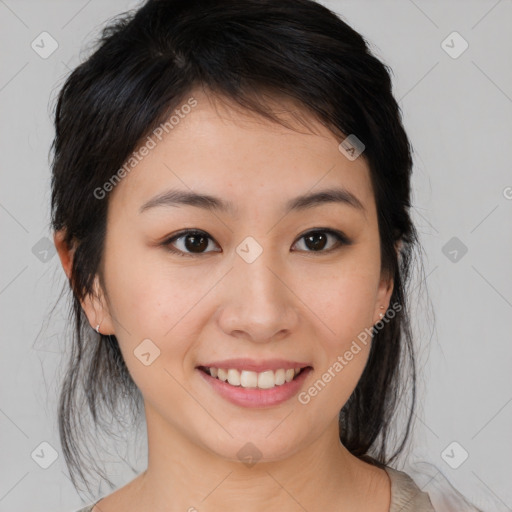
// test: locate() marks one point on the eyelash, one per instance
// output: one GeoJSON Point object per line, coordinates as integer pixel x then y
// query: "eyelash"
{"type": "Point", "coordinates": [341, 240]}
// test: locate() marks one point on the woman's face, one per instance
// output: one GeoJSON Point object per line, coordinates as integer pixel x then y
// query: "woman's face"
{"type": "Point", "coordinates": [266, 283]}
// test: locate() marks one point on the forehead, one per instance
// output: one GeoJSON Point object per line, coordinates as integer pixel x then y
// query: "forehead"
{"type": "Point", "coordinates": [216, 147]}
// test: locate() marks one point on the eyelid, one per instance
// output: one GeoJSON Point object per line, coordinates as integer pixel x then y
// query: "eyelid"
{"type": "Point", "coordinates": [321, 229]}
{"type": "Point", "coordinates": [341, 239]}
{"type": "Point", "coordinates": [167, 243]}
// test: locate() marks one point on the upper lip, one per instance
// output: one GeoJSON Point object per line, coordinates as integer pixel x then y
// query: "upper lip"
{"type": "Point", "coordinates": [255, 366]}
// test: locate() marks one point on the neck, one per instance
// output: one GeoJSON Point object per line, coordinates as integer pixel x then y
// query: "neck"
{"type": "Point", "coordinates": [189, 477]}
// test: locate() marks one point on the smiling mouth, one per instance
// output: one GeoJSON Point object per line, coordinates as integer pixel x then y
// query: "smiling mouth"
{"type": "Point", "coordinates": [249, 379]}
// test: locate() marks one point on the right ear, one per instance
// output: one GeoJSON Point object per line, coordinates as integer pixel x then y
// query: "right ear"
{"type": "Point", "coordinates": [65, 253]}
{"type": "Point", "coordinates": [94, 305]}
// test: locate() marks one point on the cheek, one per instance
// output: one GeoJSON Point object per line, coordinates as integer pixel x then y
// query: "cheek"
{"type": "Point", "coordinates": [343, 300]}
{"type": "Point", "coordinates": [162, 303]}
{"type": "Point", "coordinates": [150, 296]}
{"type": "Point", "coordinates": [345, 309]}
{"type": "Point", "coordinates": [152, 305]}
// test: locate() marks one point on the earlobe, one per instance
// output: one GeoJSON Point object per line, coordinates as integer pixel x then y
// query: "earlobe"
{"type": "Point", "coordinates": [96, 309]}
{"type": "Point", "coordinates": [383, 298]}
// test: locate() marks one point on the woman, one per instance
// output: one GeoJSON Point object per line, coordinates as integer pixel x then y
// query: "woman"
{"type": "Point", "coordinates": [230, 201]}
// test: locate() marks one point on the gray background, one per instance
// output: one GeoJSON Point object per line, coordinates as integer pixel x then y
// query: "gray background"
{"type": "Point", "coordinates": [457, 113]}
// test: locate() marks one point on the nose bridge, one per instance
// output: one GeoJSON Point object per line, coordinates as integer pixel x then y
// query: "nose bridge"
{"type": "Point", "coordinates": [259, 304]}
{"type": "Point", "coordinates": [258, 278]}
{"type": "Point", "coordinates": [252, 263]}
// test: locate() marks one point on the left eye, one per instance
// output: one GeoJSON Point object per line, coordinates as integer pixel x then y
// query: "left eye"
{"type": "Point", "coordinates": [316, 241]}
{"type": "Point", "coordinates": [196, 242]}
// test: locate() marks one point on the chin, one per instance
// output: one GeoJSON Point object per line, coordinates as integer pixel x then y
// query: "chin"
{"type": "Point", "coordinates": [255, 447]}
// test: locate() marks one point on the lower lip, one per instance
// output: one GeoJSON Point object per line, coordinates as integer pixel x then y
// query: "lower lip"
{"type": "Point", "coordinates": [256, 397]}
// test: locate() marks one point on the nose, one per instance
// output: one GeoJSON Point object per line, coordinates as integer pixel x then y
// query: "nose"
{"type": "Point", "coordinates": [258, 303]}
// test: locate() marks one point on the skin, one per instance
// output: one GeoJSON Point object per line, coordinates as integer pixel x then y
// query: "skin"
{"type": "Point", "coordinates": [290, 303]}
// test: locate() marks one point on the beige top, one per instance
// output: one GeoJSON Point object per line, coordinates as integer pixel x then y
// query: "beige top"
{"type": "Point", "coordinates": [406, 496]}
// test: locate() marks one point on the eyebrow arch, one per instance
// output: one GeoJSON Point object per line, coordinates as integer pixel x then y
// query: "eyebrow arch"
{"type": "Point", "coordinates": [330, 195]}
{"type": "Point", "coordinates": [182, 197]}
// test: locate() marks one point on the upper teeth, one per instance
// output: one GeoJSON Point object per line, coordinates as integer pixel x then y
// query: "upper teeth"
{"type": "Point", "coordinates": [247, 379]}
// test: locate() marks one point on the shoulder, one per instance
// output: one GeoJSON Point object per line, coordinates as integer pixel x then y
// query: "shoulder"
{"type": "Point", "coordinates": [406, 496]}
{"type": "Point", "coordinates": [90, 508]}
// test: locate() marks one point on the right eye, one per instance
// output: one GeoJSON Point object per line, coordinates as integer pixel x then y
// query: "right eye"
{"type": "Point", "coordinates": [190, 242]}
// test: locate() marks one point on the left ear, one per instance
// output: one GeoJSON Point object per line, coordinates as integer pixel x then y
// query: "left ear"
{"type": "Point", "coordinates": [383, 298]}
{"type": "Point", "coordinates": [385, 291]}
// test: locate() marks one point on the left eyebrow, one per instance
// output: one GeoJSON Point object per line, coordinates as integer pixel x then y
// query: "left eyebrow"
{"type": "Point", "coordinates": [330, 195]}
{"type": "Point", "coordinates": [182, 197]}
